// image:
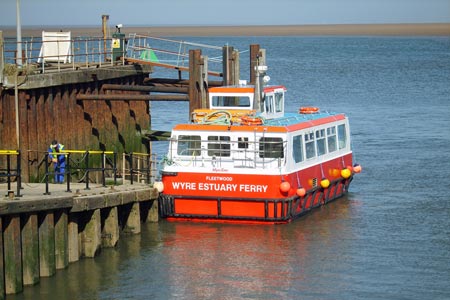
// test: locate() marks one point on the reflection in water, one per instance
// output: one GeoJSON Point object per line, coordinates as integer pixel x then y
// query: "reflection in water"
{"type": "Point", "coordinates": [261, 262]}
{"type": "Point", "coordinates": [204, 261]}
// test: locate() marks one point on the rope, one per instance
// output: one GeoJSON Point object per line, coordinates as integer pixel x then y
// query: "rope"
{"type": "Point", "coordinates": [224, 119]}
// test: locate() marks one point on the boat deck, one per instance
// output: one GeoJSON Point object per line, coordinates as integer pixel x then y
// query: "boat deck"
{"type": "Point", "coordinates": [293, 118]}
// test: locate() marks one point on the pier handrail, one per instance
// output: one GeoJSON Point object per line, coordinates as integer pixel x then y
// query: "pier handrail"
{"type": "Point", "coordinates": [107, 166]}
{"type": "Point", "coordinates": [139, 165]}
{"type": "Point", "coordinates": [12, 172]}
{"type": "Point", "coordinates": [168, 52]}
{"type": "Point", "coordinates": [84, 52]}
{"type": "Point", "coordinates": [88, 52]}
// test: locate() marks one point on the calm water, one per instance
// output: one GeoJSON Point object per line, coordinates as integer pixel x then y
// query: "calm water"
{"type": "Point", "coordinates": [388, 239]}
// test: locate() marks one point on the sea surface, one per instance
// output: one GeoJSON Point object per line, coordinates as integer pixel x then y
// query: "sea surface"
{"type": "Point", "coordinates": [388, 239]}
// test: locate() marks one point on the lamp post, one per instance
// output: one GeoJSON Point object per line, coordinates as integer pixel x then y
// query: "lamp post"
{"type": "Point", "coordinates": [19, 65]}
{"type": "Point", "coordinates": [19, 35]}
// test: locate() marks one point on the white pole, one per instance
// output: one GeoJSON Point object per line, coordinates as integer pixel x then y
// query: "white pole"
{"type": "Point", "coordinates": [19, 34]}
{"type": "Point", "coordinates": [16, 107]}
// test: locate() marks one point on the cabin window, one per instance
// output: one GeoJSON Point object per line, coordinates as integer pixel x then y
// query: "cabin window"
{"type": "Point", "coordinates": [331, 139]}
{"type": "Point", "coordinates": [271, 147]}
{"type": "Point", "coordinates": [298, 148]}
{"type": "Point", "coordinates": [279, 102]}
{"type": "Point", "coordinates": [219, 145]}
{"type": "Point", "coordinates": [241, 101]}
{"type": "Point", "coordinates": [189, 145]}
{"type": "Point", "coordinates": [242, 143]}
{"type": "Point", "coordinates": [268, 102]}
{"type": "Point", "coordinates": [342, 136]}
{"type": "Point", "coordinates": [320, 142]}
{"type": "Point", "coordinates": [309, 145]}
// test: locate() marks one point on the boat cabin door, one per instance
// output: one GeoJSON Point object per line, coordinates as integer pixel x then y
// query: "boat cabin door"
{"type": "Point", "coordinates": [273, 103]}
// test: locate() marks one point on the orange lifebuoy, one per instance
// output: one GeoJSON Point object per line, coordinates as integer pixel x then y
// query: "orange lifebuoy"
{"type": "Point", "coordinates": [247, 120]}
{"type": "Point", "coordinates": [308, 110]}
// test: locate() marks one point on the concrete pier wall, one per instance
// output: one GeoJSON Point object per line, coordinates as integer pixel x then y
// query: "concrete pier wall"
{"type": "Point", "coordinates": [42, 234]}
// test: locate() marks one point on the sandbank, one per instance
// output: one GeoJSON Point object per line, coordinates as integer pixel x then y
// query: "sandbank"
{"type": "Point", "coordinates": [428, 29]}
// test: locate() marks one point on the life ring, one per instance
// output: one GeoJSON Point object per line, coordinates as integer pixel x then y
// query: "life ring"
{"type": "Point", "coordinates": [247, 120]}
{"type": "Point", "coordinates": [308, 110]}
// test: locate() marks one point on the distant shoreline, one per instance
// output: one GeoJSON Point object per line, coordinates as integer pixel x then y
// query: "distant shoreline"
{"type": "Point", "coordinates": [440, 29]}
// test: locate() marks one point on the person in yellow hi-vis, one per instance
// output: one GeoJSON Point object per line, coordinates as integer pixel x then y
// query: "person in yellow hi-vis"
{"type": "Point", "coordinates": [59, 161]}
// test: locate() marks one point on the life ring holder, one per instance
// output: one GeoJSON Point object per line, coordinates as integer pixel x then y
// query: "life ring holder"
{"type": "Point", "coordinates": [308, 110]}
{"type": "Point", "coordinates": [248, 120]}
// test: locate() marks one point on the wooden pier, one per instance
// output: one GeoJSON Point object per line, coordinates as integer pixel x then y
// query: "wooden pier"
{"type": "Point", "coordinates": [101, 105]}
{"type": "Point", "coordinates": [44, 233]}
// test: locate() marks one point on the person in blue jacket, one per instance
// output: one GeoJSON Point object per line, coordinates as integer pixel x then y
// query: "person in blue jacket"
{"type": "Point", "coordinates": [59, 161]}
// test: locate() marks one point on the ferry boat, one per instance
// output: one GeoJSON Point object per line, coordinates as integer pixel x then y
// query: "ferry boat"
{"type": "Point", "coordinates": [244, 159]}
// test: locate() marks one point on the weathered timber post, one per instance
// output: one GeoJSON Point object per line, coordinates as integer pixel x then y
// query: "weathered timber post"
{"type": "Point", "coordinates": [46, 225]}
{"type": "Point", "coordinates": [235, 68]}
{"type": "Point", "coordinates": [73, 240]}
{"type": "Point", "coordinates": [30, 249]}
{"type": "Point", "coordinates": [61, 239]}
{"type": "Point", "coordinates": [105, 19]}
{"type": "Point", "coordinates": [12, 254]}
{"type": "Point", "coordinates": [204, 82]}
{"type": "Point", "coordinates": [91, 235]}
{"type": "Point", "coordinates": [254, 54]}
{"type": "Point", "coordinates": [2, 265]}
{"type": "Point", "coordinates": [110, 228]}
{"type": "Point", "coordinates": [230, 66]}
{"type": "Point", "coordinates": [196, 86]}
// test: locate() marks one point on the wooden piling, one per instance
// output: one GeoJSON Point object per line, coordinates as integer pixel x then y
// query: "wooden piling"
{"type": "Point", "coordinates": [254, 54]}
{"type": "Point", "coordinates": [230, 66]}
{"type": "Point", "coordinates": [30, 249]}
{"type": "Point", "coordinates": [73, 240]}
{"type": "Point", "coordinates": [61, 239]}
{"type": "Point", "coordinates": [2, 265]}
{"type": "Point", "coordinates": [195, 82]}
{"type": "Point", "coordinates": [12, 254]}
{"type": "Point", "coordinates": [91, 234]}
{"type": "Point", "coordinates": [47, 263]}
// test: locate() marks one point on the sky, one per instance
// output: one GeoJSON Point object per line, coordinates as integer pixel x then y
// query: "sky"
{"type": "Point", "coordinates": [220, 12]}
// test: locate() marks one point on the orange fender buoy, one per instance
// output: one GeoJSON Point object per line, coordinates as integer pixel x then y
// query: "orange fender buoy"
{"type": "Point", "coordinates": [308, 110]}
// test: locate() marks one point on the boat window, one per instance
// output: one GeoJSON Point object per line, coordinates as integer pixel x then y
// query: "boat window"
{"type": "Point", "coordinates": [298, 148]}
{"type": "Point", "coordinates": [219, 145]}
{"type": "Point", "coordinates": [342, 137]}
{"type": "Point", "coordinates": [226, 101]}
{"type": "Point", "coordinates": [279, 102]}
{"type": "Point", "coordinates": [271, 147]}
{"type": "Point", "coordinates": [309, 145]}
{"type": "Point", "coordinates": [242, 143]}
{"type": "Point", "coordinates": [189, 145]}
{"type": "Point", "coordinates": [331, 139]}
{"type": "Point", "coordinates": [320, 142]}
{"type": "Point", "coordinates": [268, 103]}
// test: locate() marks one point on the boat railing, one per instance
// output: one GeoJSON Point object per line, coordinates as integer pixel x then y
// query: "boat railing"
{"type": "Point", "coordinates": [238, 154]}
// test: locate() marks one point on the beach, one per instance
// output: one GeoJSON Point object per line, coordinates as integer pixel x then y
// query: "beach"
{"type": "Point", "coordinates": [439, 29]}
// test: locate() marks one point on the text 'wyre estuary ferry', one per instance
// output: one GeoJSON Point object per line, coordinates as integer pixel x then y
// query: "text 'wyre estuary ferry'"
{"type": "Point", "coordinates": [245, 160]}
